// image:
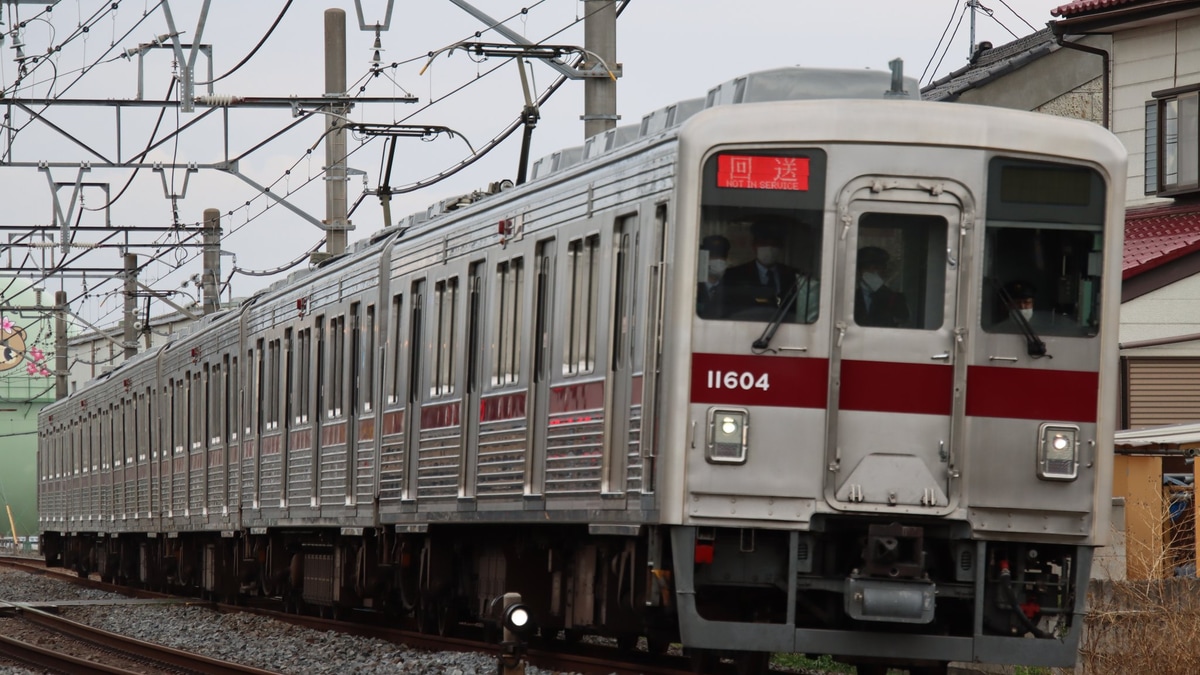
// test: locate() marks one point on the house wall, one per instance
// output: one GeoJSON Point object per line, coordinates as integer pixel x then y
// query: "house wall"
{"type": "Point", "coordinates": [1066, 82]}
{"type": "Point", "coordinates": [1170, 311]}
{"type": "Point", "coordinates": [1146, 60]}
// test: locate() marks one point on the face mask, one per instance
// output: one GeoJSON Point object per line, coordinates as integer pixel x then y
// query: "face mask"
{"type": "Point", "coordinates": [1027, 313]}
{"type": "Point", "coordinates": [872, 281]}
{"type": "Point", "coordinates": [769, 255]}
{"type": "Point", "coordinates": [716, 267]}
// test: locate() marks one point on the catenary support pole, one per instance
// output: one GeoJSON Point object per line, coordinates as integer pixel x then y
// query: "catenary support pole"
{"type": "Point", "coordinates": [130, 335]}
{"type": "Point", "coordinates": [60, 345]}
{"type": "Point", "coordinates": [600, 40]}
{"type": "Point", "coordinates": [336, 224]}
{"type": "Point", "coordinates": [212, 260]}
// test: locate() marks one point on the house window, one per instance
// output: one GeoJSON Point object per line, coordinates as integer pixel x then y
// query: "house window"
{"type": "Point", "coordinates": [1173, 147]}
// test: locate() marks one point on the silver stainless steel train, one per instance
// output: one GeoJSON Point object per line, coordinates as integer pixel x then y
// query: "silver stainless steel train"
{"type": "Point", "coordinates": [757, 375]}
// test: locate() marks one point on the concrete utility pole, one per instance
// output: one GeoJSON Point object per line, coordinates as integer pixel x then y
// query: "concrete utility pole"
{"type": "Point", "coordinates": [336, 223]}
{"type": "Point", "coordinates": [130, 336]}
{"type": "Point", "coordinates": [212, 260]}
{"type": "Point", "coordinates": [600, 40]}
{"type": "Point", "coordinates": [60, 345]}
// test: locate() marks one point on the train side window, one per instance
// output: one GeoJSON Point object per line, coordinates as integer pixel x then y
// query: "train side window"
{"type": "Point", "coordinates": [583, 272]}
{"type": "Point", "coordinates": [274, 380]}
{"type": "Point", "coordinates": [506, 353]}
{"type": "Point", "coordinates": [302, 358]}
{"type": "Point", "coordinates": [900, 271]}
{"type": "Point", "coordinates": [445, 297]}
{"type": "Point", "coordinates": [337, 367]}
{"type": "Point", "coordinates": [367, 362]}
{"type": "Point", "coordinates": [355, 346]}
{"type": "Point", "coordinates": [395, 348]}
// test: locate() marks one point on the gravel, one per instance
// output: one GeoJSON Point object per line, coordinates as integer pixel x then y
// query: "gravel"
{"type": "Point", "coordinates": [245, 638]}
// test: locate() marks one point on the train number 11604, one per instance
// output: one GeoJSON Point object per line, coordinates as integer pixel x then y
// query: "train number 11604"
{"type": "Point", "coordinates": [734, 380]}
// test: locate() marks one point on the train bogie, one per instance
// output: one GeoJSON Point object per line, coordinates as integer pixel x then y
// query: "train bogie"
{"type": "Point", "coordinates": [758, 380]}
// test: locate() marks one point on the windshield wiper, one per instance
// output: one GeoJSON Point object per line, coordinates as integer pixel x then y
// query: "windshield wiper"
{"type": "Point", "coordinates": [785, 304]}
{"type": "Point", "coordinates": [1033, 344]}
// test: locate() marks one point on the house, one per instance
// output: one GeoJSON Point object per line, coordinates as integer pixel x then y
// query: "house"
{"type": "Point", "coordinates": [1153, 104]}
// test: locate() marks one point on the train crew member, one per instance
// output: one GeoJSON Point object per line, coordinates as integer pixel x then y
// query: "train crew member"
{"type": "Point", "coordinates": [709, 291]}
{"type": "Point", "coordinates": [875, 304]}
{"type": "Point", "coordinates": [760, 283]}
{"type": "Point", "coordinates": [1018, 299]}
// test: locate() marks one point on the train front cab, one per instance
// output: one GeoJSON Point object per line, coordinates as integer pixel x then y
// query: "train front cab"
{"type": "Point", "coordinates": [909, 487]}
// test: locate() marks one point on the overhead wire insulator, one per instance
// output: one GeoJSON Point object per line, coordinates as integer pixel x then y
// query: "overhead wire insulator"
{"type": "Point", "coordinates": [219, 100]}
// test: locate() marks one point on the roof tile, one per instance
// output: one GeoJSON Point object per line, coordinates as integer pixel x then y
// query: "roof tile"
{"type": "Point", "coordinates": [1085, 6]}
{"type": "Point", "coordinates": [1155, 236]}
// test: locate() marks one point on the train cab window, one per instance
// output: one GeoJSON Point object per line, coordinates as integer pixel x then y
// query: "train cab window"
{"type": "Point", "coordinates": [760, 236]}
{"type": "Point", "coordinates": [1043, 251]}
{"type": "Point", "coordinates": [900, 271]}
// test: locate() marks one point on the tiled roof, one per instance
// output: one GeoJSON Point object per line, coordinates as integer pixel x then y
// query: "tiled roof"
{"type": "Point", "coordinates": [1085, 6]}
{"type": "Point", "coordinates": [1157, 235]}
{"type": "Point", "coordinates": [991, 64]}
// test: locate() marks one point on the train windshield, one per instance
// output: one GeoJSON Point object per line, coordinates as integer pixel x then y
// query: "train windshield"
{"type": "Point", "coordinates": [1043, 251]}
{"type": "Point", "coordinates": [760, 235]}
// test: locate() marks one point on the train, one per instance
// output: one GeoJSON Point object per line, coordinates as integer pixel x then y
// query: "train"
{"type": "Point", "coordinates": [757, 374]}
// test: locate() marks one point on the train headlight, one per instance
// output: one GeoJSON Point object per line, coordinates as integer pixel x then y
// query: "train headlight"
{"type": "Point", "coordinates": [1058, 452]}
{"type": "Point", "coordinates": [728, 433]}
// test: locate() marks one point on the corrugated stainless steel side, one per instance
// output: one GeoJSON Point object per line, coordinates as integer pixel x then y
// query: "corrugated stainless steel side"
{"type": "Point", "coordinates": [439, 459]}
{"type": "Point", "coordinates": [501, 464]}
{"type": "Point", "coordinates": [574, 452]}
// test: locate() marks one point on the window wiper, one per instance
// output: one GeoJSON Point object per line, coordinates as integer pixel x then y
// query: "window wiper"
{"type": "Point", "coordinates": [1033, 344]}
{"type": "Point", "coordinates": [785, 305]}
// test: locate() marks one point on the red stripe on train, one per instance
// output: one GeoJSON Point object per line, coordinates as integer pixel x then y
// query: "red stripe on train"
{"type": "Point", "coordinates": [734, 379]}
{"type": "Point", "coordinates": [880, 386]}
{"type": "Point", "coordinates": [1061, 395]}
{"type": "Point", "coordinates": [884, 386]}
{"type": "Point", "coordinates": [502, 407]}
{"type": "Point", "coordinates": [576, 397]}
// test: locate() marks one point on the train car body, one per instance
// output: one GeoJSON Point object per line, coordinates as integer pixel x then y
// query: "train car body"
{"type": "Point", "coordinates": [542, 390]}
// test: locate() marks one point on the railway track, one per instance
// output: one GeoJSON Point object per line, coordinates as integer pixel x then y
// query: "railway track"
{"type": "Point", "coordinates": [52, 643]}
{"type": "Point", "coordinates": [547, 654]}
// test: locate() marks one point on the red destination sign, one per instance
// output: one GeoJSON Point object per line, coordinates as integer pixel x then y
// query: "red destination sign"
{"type": "Point", "coordinates": [762, 172]}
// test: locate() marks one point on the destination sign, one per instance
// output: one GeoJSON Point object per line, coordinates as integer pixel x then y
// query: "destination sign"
{"type": "Point", "coordinates": [762, 172]}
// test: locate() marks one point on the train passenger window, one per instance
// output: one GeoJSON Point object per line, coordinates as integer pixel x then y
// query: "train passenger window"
{"type": "Point", "coordinates": [445, 345]}
{"type": "Point", "coordinates": [337, 367]}
{"type": "Point", "coordinates": [367, 363]}
{"type": "Point", "coordinates": [583, 277]}
{"type": "Point", "coordinates": [1043, 249]}
{"type": "Point", "coordinates": [760, 235]}
{"type": "Point", "coordinates": [506, 348]}
{"type": "Point", "coordinates": [393, 351]}
{"type": "Point", "coordinates": [900, 271]}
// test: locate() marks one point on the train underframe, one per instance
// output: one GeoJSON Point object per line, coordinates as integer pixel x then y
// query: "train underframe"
{"type": "Point", "coordinates": [914, 595]}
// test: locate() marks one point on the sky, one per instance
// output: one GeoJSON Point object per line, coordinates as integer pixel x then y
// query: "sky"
{"type": "Point", "coordinates": [669, 50]}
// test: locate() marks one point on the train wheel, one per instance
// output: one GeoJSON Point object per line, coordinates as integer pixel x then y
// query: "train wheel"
{"type": "Point", "coordinates": [752, 663]}
{"type": "Point", "coordinates": [656, 644]}
{"type": "Point", "coordinates": [447, 618]}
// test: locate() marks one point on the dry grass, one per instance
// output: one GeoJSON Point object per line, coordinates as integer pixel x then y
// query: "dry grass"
{"type": "Point", "coordinates": [1148, 625]}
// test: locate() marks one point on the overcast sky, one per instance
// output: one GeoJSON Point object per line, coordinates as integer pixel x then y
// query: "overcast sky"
{"type": "Point", "coordinates": [669, 50]}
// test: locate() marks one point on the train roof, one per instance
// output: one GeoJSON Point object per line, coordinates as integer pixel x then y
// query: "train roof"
{"type": "Point", "coordinates": [779, 84]}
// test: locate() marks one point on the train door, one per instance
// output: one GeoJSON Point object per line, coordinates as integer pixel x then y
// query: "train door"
{"type": "Point", "coordinates": [412, 405]}
{"type": "Point", "coordinates": [543, 310]}
{"type": "Point", "coordinates": [620, 362]}
{"type": "Point", "coordinates": [895, 359]}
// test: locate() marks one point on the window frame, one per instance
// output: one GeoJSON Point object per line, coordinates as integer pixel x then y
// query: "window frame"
{"type": "Point", "coordinates": [1158, 136]}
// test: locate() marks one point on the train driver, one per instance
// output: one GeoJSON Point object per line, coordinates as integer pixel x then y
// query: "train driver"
{"type": "Point", "coordinates": [875, 304]}
{"type": "Point", "coordinates": [708, 290]}
{"type": "Point", "coordinates": [754, 289]}
{"type": "Point", "coordinates": [1018, 299]}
